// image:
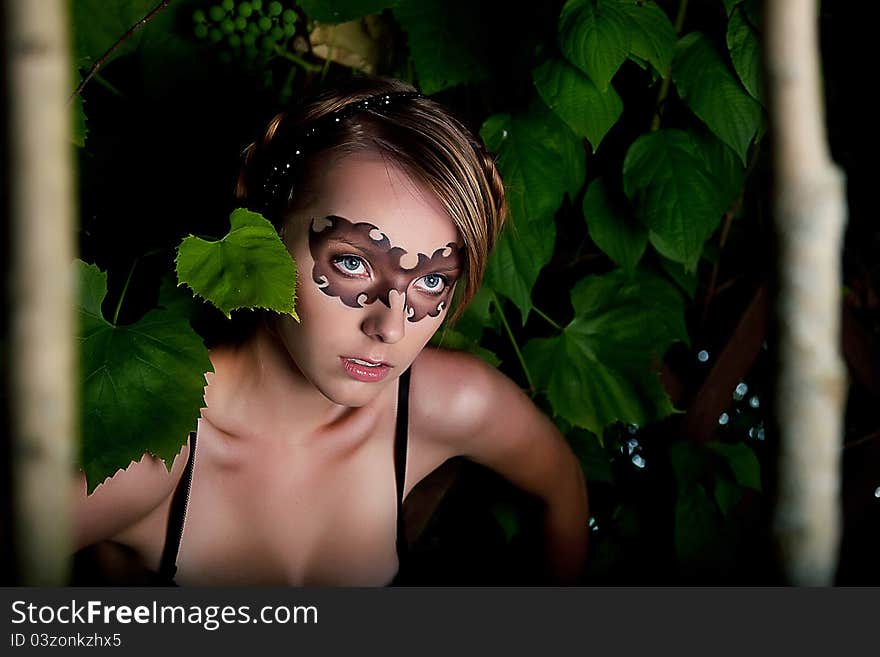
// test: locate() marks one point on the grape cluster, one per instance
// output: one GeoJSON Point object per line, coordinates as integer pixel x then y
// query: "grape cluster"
{"type": "Point", "coordinates": [252, 28]}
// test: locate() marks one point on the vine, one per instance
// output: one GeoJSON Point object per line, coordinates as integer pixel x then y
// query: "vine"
{"type": "Point", "coordinates": [596, 152]}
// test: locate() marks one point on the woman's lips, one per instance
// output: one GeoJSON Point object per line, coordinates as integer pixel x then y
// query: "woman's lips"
{"type": "Point", "coordinates": [361, 369]}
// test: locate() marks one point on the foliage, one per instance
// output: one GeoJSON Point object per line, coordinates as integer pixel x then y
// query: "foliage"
{"type": "Point", "coordinates": [599, 371]}
{"type": "Point", "coordinates": [249, 268]}
{"type": "Point", "coordinates": [540, 161]}
{"type": "Point", "coordinates": [141, 383]}
{"type": "Point", "coordinates": [624, 140]}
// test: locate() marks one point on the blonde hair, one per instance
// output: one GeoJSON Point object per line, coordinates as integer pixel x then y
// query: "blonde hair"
{"type": "Point", "coordinates": [416, 133]}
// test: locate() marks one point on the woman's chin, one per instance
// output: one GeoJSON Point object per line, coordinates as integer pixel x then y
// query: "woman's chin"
{"type": "Point", "coordinates": [352, 394]}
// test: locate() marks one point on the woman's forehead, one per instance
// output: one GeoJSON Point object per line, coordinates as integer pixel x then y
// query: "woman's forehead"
{"type": "Point", "coordinates": [367, 239]}
{"type": "Point", "coordinates": [366, 189]}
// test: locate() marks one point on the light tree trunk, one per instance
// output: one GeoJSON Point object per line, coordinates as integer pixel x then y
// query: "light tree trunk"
{"type": "Point", "coordinates": [41, 314]}
{"type": "Point", "coordinates": [809, 209]}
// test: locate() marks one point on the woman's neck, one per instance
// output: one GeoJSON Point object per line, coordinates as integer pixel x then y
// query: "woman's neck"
{"type": "Point", "coordinates": [258, 382]}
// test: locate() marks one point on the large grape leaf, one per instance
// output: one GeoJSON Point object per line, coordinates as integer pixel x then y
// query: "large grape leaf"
{"type": "Point", "coordinates": [697, 527]}
{"type": "Point", "coordinates": [721, 163]}
{"type": "Point", "coordinates": [652, 35]}
{"type": "Point", "coordinates": [594, 35]}
{"type": "Point", "coordinates": [601, 368]}
{"type": "Point", "coordinates": [745, 53]}
{"type": "Point", "coordinates": [710, 89]}
{"type": "Point", "coordinates": [340, 11]}
{"type": "Point", "coordinates": [665, 176]}
{"type": "Point", "coordinates": [478, 316]}
{"type": "Point", "coordinates": [540, 160]}
{"type": "Point", "coordinates": [98, 24]}
{"type": "Point", "coordinates": [686, 280]}
{"type": "Point", "coordinates": [592, 456]}
{"type": "Point", "coordinates": [142, 384]}
{"type": "Point", "coordinates": [450, 338]}
{"type": "Point", "coordinates": [696, 519]}
{"type": "Point", "coordinates": [576, 100]}
{"type": "Point", "coordinates": [742, 461]}
{"type": "Point", "coordinates": [163, 44]}
{"type": "Point", "coordinates": [620, 237]}
{"type": "Point", "coordinates": [446, 43]}
{"type": "Point", "coordinates": [175, 298]}
{"type": "Point", "coordinates": [248, 268]}
{"type": "Point", "coordinates": [727, 495]}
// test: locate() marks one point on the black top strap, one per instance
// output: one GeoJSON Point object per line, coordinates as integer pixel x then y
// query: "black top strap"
{"type": "Point", "coordinates": [176, 516]}
{"type": "Point", "coordinates": [400, 442]}
{"type": "Point", "coordinates": [177, 513]}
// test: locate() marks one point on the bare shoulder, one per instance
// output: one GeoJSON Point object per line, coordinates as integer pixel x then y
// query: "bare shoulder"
{"type": "Point", "coordinates": [126, 497]}
{"type": "Point", "coordinates": [455, 394]}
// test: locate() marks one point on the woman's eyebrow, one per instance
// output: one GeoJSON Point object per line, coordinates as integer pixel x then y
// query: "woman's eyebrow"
{"type": "Point", "coordinates": [349, 242]}
{"type": "Point", "coordinates": [447, 269]}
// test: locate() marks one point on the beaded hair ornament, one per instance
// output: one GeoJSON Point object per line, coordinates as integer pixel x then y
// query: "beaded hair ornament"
{"type": "Point", "coordinates": [276, 186]}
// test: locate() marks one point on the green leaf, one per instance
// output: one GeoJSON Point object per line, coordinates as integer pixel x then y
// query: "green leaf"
{"type": "Point", "coordinates": [508, 519]}
{"type": "Point", "coordinates": [588, 112]}
{"type": "Point", "coordinates": [79, 129]}
{"type": "Point", "coordinates": [687, 281]}
{"type": "Point", "coordinates": [652, 35]}
{"type": "Point", "coordinates": [648, 291]}
{"type": "Point", "coordinates": [449, 338]}
{"type": "Point", "coordinates": [742, 461]}
{"type": "Point", "coordinates": [594, 461]}
{"type": "Point", "coordinates": [679, 201]}
{"type": "Point", "coordinates": [249, 268]}
{"type": "Point", "coordinates": [168, 44]}
{"type": "Point", "coordinates": [594, 35]}
{"type": "Point", "coordinates": [517, 259]}
{"type": "Point", "coordinates": [478, 316]}
{"type": "Point", "coordinates": [709, 88]}
{"type": "Point", "coordinates": [688, 462]}
{"type": "Point", "coordinates": [340, 11]}
{"type": "Point", "coordinates": [601, 368]}
{"type": "Point", "coordinates": [727, 495]}
{"type": "Point", "coordinates": [696, 525]}
{"type": "Point", "coordinates": [164, 43]}
{"type": "Point", "coordinates": [175, 298]}
{"type": "Point", "coordinates": [447, 46]}
{"type": "Point", "coordinates": [722, 164]}
{"type": "Point", "coordinates": [142, 384]}
{"type": "Point", "coordinates": [621, 238]}
{"type": "Point", "coordinates": [98, 24]}
{"type": "Point", "coordinates": [645, 65]}
{"type": "Point", "coordinates": [745, 52]}
{"type": "Point", "coordinates": [540, 161]}
{"type": "Point", "coordinates": [628, 520]}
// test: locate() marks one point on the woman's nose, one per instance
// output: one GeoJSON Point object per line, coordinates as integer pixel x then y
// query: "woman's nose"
{"type": "Point", "coordinates": [386, 323]}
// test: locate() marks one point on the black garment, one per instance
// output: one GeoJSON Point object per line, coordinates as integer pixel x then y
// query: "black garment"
{"type": "Point", "coordinates": [177, 513]}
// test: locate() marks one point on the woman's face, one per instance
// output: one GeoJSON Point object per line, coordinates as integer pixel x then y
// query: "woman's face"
{"type": "Point", "coordinates": [377, 258]}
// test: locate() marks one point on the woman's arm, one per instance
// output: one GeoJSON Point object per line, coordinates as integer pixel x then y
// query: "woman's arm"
{"type": "Point", "coordinates": [483, 415]}
{"type": "Point", "coordinates": [122, 500]}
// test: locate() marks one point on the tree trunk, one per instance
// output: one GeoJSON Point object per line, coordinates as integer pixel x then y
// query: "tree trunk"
{"type": "Point", "coordinates": [41, 318]}
{"type": "Point", "coordinates": [809, 209]}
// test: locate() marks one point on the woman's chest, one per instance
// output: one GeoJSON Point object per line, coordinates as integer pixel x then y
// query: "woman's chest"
{"type": "Point", "coordinates": [315, 511]}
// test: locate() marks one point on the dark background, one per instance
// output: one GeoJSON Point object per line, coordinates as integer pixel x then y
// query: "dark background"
{"type": "Point", "coordinates": [160, 163]}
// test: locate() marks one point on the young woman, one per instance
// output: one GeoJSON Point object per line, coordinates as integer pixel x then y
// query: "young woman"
{"type": "Point", "coordinates": [313, 432]}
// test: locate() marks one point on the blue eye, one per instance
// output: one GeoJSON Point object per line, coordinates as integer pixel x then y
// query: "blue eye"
{"type": "Point", "coordinates": [351, 265]}
{"type": "Point", "coordinates": [431, 284]}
